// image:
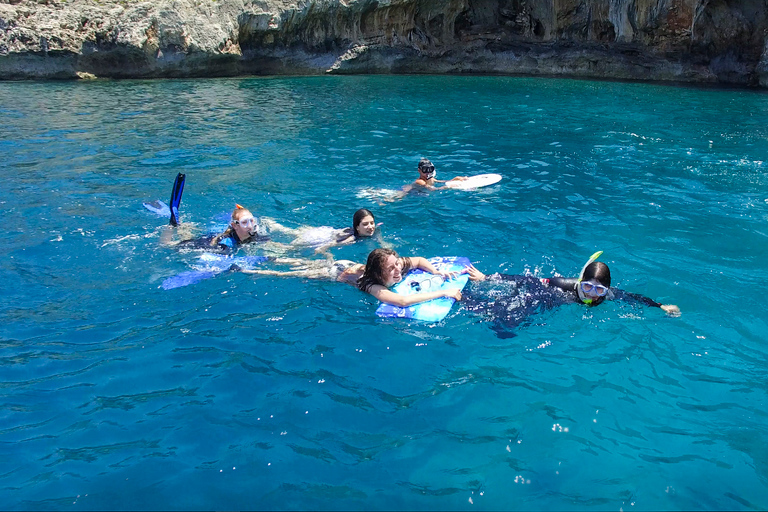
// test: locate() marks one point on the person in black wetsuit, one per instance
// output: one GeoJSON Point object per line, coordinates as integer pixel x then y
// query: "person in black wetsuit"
{"type": "Point", "coordinates": [512, 299]}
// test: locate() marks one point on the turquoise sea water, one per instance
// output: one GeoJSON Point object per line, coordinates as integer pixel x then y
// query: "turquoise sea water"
{"type": "Point", "coordinates": [245, 392]}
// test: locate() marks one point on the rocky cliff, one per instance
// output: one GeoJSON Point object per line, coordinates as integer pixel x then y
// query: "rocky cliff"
{"type": "Point", "coordinates": [683, 40]}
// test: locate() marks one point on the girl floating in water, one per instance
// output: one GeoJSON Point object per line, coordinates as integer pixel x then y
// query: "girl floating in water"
{"type": "Point", "coordinates": [323, 238]}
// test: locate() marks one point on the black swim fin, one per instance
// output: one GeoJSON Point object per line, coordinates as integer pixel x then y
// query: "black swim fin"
{"type": "Point", "coordinates": [178, 189]}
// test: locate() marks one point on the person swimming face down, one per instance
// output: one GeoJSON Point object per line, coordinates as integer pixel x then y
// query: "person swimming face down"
{"type": "Point", "coordinates": [363, 223]}
{"type": "Point", "coordinates": [595, 283]}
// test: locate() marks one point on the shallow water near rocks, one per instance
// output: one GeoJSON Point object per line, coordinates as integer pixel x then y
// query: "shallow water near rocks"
{"type": "Point", "coordinates": [243, 392]}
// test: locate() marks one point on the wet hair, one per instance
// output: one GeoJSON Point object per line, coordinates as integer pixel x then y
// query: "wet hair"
{"type": "Point", "coordinates": [358, 217]}
{"type": "Point", "coordinates": [425, 163]}
{"type": "Point", "coordinates": [374, 268]}
{"type": "Point", "coordinates": [239, 211]}
{"type": "Point", "coordinates": [598, 271]}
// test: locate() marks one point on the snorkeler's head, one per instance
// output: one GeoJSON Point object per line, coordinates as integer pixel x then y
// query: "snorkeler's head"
{"type": "Point", "coordinates": [363, 223]}
{"type": "Point", "coordinates": [594, 285]}
{"type": "Point", "coordinates": [427, 169]}
{"type": "Point", "coordinates": [598, 271]}
{"type": "Point", "coordinates": [382, 267]}
{"type": "Point", "coordinates": [243, 222]}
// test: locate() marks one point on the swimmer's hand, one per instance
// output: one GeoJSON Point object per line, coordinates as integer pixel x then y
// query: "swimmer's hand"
{"type": "Point", "coordinates": [474, 274]}
{"type": "Point", "coordinates": [447, 276]}
{"type": "Point", "coordinates": [671, 309]}
{"type": "Point", "coordinates": [454, 293]}
{"type": "Point", "coordinates": [459, 178]}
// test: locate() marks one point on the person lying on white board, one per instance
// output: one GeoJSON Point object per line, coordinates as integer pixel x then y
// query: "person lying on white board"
{"type": "Point", "coordinates": [426, 181]}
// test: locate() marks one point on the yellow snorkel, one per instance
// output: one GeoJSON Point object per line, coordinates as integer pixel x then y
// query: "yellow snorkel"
{"type": "Point", "coordinates": [591, 259]}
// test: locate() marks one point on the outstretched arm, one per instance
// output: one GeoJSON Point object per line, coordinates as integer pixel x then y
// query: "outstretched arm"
{"type": "Point", "coordinates": [390, 297]}
{"type": "Point", "coordinates": [670, 309]}
{"type": "Point", "coordinates": [426, 266]}
{"type": "Point", "coordinates": [457, 178]}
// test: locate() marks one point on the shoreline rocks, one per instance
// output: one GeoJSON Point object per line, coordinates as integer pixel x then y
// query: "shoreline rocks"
{"type": "Point", "coordinates": [696, 41]}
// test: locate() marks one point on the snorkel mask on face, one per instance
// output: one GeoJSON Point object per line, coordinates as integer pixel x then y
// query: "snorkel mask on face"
{"type": "Point", "coordinates": [588, 286]}
{"type": "Point", "coordinates": [427, 168]}
{"type": "Point", "coordinates": [249, 223]}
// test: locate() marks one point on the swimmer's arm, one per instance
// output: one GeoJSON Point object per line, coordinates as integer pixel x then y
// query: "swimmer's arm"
{"type": "Point", "coordinates": [567, 284]}
{"type": "Point", "coordinates": [390, 297]}
{"type": "Point", "coordinates": [216, 239]}
{"type": "Point", "coordinates": [457, 178]}
{"type": "Point", "coordinates": [426, 266]}
{"type": "Point", "coordinates": [423, 184]}
{"type": "Point", "coordinates": [670, 309]}
{"type": "Point", "coordinates": [473, 273]}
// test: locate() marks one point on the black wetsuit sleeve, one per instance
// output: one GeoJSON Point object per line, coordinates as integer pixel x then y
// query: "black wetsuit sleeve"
{"type": "Point", "coordinates": [634, 297]}
{"type": "Point", "coordinates": [515, 278]}
{"type": "Point", "coordinates": [567, 284]}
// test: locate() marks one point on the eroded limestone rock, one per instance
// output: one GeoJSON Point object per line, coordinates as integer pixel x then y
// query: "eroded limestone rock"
{"type": "Point", "coordinates": [687, 40]}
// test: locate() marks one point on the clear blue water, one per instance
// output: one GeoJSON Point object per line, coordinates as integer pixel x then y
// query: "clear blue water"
{"type": "Point", "coordinates": [282, 393]}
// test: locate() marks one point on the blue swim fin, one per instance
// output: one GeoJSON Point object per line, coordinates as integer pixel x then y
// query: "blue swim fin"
{"type": "Point", "coordinates": [217, 264]}
{"type": "Point", "coordinates": [158, 207]}
{"type": "Point", "coordinates": [187, 278]}
{"type": "Point", "coordinates": [178, 189]}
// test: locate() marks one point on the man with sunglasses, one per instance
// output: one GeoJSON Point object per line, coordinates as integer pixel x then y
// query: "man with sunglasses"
{"type": "Point", "coordinates": [517, 297]}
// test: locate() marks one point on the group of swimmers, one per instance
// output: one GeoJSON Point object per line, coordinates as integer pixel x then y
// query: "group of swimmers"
{"type": "Point", "coordinates": [384, 267]}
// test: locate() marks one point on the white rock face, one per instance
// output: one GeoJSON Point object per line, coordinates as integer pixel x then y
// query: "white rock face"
{"type": "Point", "coordinates": [686, 40]}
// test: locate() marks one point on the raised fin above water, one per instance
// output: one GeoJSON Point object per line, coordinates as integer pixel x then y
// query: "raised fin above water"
{"type": "Point", "coordinates": [178, 190]}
